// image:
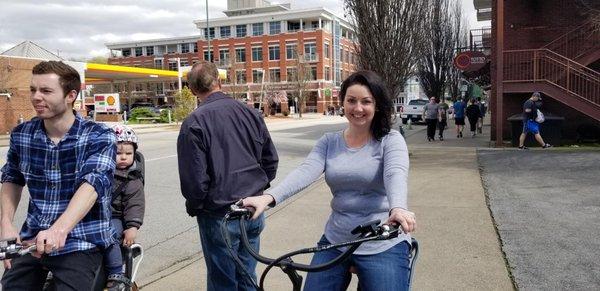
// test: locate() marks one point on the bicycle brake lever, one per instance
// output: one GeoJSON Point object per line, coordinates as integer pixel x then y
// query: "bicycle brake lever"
{"type": "Point", "coordinates": [369, 227]}
{"type": "Point", "coordinates": [238, 210]}
{"type": "Point", "coordinates": [387, 231]}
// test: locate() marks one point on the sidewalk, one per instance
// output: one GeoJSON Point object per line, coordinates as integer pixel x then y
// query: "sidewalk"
{"type": "Point", "coordinates": [459, 246]}
{"type": "Point", "coordinates": [273, 123]}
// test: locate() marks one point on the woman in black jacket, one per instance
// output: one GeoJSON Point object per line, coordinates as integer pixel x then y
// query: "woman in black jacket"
{"type": "Point", "coordinates": [473, 114]}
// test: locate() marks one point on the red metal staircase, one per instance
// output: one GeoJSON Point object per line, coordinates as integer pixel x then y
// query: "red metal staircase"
{"type": "Point", "coordinates": [559, 70]}
{"type": "Point", "coordinates": [581, 44]}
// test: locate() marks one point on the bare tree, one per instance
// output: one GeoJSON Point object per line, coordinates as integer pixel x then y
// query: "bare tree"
{"type": "Point", "coordinates": [5, 70]}
{"type": "Point", "coordinates": [302, 75]}
{"type": "Point", "coordinates": [443, 31]}
{"type": "Point", "coordinates": [460, 41]}
{"type": "Point", "coordinates": [236, 88]}
{"type": "Point", "coordinates": [390, 34]}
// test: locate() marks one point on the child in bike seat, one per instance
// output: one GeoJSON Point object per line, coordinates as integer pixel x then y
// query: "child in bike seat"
{"type": "Point", "coordinates": [127, 204]}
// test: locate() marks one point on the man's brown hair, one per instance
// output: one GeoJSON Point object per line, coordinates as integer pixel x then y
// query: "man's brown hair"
{"type": "Point", "coordinates": [203, 77]}
{"type": "Point", "coordinates": [68, 77]}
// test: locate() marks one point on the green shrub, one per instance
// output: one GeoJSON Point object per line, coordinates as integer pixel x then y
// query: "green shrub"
{"type": "Point", "coordinates": [185, 103]}
{"type": "Point", "coordinates": [141, 112]}
{"type": "Point", "coordinates": [164, 116]}
{"type": "Point", "coordinates": [286, 113]}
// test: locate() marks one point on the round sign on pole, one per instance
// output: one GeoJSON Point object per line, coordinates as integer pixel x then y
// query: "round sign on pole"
{"type": "Point", "coordinates": [470, 61]}
{"type": "Point", "coordinates": [110, 100]}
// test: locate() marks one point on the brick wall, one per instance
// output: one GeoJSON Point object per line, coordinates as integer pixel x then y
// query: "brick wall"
{"type": "Point", "coordinates": [534, 23]}
{"type": "Point", "coordinates": [17, 81]}
{"type": "Point", "coordinates": [528, 25]}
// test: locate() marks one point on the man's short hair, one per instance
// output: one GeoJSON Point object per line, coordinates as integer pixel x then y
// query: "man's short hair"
{"type": "Point", "coordinates": [203, 77]}
{"type": "Point", "coordinates": [69, 79]}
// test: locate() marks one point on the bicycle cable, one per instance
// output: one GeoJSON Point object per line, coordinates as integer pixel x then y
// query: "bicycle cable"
{"type": "Point", "coordinates": [236, 259]}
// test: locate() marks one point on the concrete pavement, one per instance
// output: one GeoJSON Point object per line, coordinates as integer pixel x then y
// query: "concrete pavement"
{"type": "Point", "coordinates": [459, 246]}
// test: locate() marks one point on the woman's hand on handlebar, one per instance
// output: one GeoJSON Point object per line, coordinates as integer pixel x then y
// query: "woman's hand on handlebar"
{"type": "Point", "coordinates": [404, 218]}
{"type": "Point", "coordinates": [259, 203]}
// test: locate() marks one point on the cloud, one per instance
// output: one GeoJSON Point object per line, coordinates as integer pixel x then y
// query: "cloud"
{"type": "Point", "coordinates": [81, 28]}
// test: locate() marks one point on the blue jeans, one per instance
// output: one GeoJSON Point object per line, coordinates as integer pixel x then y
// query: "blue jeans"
{"type": "Point", "coordinates": [223, 273]}
{"type": "Point", "coordinates": [388, 270]}
{"type": "Point", "coordinates": [113, 259]}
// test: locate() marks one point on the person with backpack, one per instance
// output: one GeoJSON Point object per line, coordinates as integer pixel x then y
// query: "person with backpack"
{"type": "Point", "coordinates": [128, 204]}
{"type": "Point", "coordinates": [473, 115]}
{"type": "Point", "coordinates": [530, 123]}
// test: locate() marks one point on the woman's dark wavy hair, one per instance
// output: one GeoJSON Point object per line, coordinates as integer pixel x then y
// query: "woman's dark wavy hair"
{"type": "Point", "coordinates": [382, 121]}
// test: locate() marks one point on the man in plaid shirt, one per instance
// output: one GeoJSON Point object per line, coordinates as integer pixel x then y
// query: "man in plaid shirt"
{"type": "Point", "coordinates": [67, 164]}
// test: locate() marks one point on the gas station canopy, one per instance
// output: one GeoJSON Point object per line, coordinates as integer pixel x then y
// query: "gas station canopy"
{"type": "Point", "coordinates": [103, 73]}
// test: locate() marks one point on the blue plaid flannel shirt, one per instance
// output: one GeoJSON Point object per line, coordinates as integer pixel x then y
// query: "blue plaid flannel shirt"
{"type": "Point", "coordinates": [53, 173]}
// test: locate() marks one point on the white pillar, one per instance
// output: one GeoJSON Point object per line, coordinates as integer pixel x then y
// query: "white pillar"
{"type": "Point", "coordinates": [180, 74]}
{"type": "Point", "coordinates": [320, 23]}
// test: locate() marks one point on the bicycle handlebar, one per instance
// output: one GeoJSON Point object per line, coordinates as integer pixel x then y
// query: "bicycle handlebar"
{"type": "Point", "coordinates": [366, 232]}
{"type": "Point", "coordinates": [10, 249]}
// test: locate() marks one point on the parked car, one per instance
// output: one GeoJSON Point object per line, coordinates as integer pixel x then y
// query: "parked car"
{"type": "Point", "coordinates": [413, 110]}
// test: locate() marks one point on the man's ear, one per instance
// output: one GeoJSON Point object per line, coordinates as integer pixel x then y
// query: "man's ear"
{"type": "Point", "coordinates": [71, 96]}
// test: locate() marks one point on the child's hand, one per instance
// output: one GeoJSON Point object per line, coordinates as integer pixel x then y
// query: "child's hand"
{"type": "Point", "coordinates": [129, 236]}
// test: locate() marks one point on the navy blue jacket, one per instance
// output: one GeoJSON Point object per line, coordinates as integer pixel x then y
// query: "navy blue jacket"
{"type": "Point", "coordinates": [225, 153]}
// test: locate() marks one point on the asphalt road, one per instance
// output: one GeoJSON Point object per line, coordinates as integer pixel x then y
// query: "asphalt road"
{"type": "Point", "coordinates": [546, 205]}
{"type": "Point", "coordinates": [169, 235]}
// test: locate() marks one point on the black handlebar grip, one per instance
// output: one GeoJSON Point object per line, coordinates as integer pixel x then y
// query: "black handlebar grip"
{"type": "Point", "coordinates": [366, 227]}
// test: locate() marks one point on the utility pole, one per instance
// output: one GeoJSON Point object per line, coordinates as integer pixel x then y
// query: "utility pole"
{"type": "Point", "coordinates": [208, 34]}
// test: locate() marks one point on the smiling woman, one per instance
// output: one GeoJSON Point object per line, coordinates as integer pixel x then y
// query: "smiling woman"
{"type": "Point", "coordinates": [366, 167]}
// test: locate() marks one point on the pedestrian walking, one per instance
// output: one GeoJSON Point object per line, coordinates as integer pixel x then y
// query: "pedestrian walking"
{"type": "Point", "coordinates": [431, 114]}
{"type": "Point", "coordinates": [530, 125]}
{"type": "Point", "coordinates": [459, 108]}
{"type": "Point", "coordinates": [443, 118]}
{"type": "Point", "coordinates": [473, 115]}
{"type": "Point", "coordinates": [482, 111]}
{"type": "Point", "coordinates": [225, 153]}
{"type": "Point", "coordinates": [67, 164]}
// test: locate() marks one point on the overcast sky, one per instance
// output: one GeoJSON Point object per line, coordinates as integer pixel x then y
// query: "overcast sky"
{"type": "Point", "coordinates": [79, 29]}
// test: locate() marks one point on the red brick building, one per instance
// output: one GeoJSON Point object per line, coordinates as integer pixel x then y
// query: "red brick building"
{"type": "Point", "coordinates": [263, 47]}
{"type": "Point", "coordinates": [551, 46]}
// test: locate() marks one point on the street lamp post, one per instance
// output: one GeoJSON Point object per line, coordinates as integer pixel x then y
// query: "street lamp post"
{"type": "Point", "coordinates": [262, 89]}
{"type": "Point", "coordinates": [179, 74]}
{"type": "Point", "coordinates": [208, 34]}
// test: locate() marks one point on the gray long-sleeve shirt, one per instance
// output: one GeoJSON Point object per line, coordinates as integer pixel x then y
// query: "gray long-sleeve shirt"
{"type": "Point", "coordinates": [366, 184]}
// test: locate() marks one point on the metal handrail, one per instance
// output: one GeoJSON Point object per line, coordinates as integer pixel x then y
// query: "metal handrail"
{"type": "Point", "coordinates": [537, 65]}
{"type": "Point", "coordinates": [577, 41]}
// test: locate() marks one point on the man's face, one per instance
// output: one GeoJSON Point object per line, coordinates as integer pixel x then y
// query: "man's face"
{"type": "Point", "coordinates": [48, 98]}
